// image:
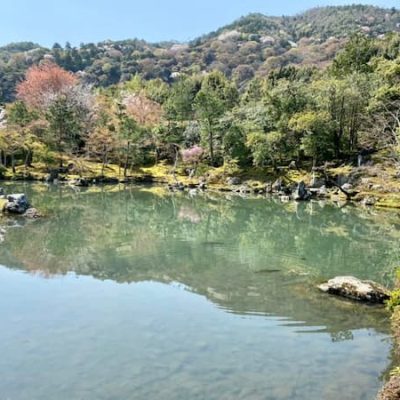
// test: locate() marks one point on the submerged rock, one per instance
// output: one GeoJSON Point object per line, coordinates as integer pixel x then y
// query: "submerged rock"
{"type": "Point", "coordinates": [16, 204]}
{"type": "Point", "coordinates": [32, 213]}
{"type": "Point", "coordinates": [356, 289]}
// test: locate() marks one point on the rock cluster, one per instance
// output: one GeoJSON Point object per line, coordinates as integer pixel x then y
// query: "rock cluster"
{"type": "Point", "coordinates": [16, 204]}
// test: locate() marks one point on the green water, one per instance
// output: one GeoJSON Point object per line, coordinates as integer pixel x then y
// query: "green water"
{"type": "Point", "coordinates": [130, 293]}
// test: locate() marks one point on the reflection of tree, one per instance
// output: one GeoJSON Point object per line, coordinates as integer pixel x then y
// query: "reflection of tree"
{"type": "Point", "coordinates": [216, 247]}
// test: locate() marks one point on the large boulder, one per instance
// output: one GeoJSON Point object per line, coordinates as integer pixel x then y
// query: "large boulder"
{"type": "Point", "coordinates": [356, 289]}
{"type": "Point", "coordinates": [16, 204]}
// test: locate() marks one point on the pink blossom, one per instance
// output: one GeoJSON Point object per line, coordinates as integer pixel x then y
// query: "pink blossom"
{"type": "Point", "coordinates": [192, 155]}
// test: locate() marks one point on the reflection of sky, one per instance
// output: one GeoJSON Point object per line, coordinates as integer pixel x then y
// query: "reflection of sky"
{"type": "Point", "coordinates": [84, 338]}
{"type": "Point", "coordinates": [136, 292]}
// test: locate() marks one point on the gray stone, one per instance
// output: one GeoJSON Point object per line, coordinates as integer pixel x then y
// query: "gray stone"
{"type": "Point", "coordinates": [301, 193]}
{"type": "Point", "coordinates": [342, 179]}
{"type": "Point", "coordinates": [32, 213]}
{"type": "Point", "coordinates": [234, 181]}
{"type": "Point", "coordinates": [356, 289]}
{"type": "Point", "coordinates": [16, 204]}
{"type": "Point", "coordinates": [268, 188]}
{"type": "Point", "coordinates": [347, 187]}
{"type": "Point", "coordinates": [317, 182]}
{"type": "Point", "coordinates": [277, 185]}
{"type": "Point", "coordinates": [284, 198]}
{"type": "Point", "coordinates": [53, 176]}
{"type": "Point", "coordinates": [369, 201]}
{"type": "Point", "coordinates": [293, 165]}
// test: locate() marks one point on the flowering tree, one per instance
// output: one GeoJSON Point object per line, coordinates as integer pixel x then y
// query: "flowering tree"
{"type": "Point", "coordinates": [65, 103]}
{"type": "Point", "coordinates": [192, 156]}
{"type": "Point", "coordinates": [146, 112]}
{"type": "Point", "coordinates": [43, 84]}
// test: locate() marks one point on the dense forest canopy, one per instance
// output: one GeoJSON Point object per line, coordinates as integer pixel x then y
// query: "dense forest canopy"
{"type": "Point", "coordinates": [264, 91]}
{"type": "Point", "coordinates": [252, 46]}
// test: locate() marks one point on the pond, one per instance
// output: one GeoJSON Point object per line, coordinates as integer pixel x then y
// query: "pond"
{"type": "Point", "coordinates": [134, 293]}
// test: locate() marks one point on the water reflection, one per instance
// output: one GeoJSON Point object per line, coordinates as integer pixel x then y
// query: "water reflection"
{"type": "Point", "coordinates": [255, 259]}
{"type": "Point", "coordinates": [245, 255]}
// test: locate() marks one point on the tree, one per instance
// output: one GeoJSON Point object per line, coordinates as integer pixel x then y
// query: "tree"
{"type": "Point", "coordinates": [101, 143]}
{"type": "Point", "coordinates": [216, 96]}
{"type": "Point", "coordinates": [146, 112]}
{"type": "Point", "coordinates": [129, 135]}
{"type": "Point", "coordinates": [192, 156]}
{"type": "Point", "coordinates": [43, 84]}
{"type": "Point", "coordinates": [313, 128]}
{"type": "Point", "coordinates": [66, 105]}
{"type": "Point", "coordinates": [355, 57]}
{"type": "Point", "coordinates": [265, 148]}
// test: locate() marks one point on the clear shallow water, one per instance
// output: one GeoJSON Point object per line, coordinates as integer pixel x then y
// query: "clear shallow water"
{"type": "Point", "coordinates": [131, 294]}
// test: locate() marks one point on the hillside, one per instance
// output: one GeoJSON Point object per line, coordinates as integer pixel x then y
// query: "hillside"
{"type": "Point", "coordinates": [251, 46]}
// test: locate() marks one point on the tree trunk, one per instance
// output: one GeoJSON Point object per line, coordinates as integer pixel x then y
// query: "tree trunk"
{"type": "Point", "coordinates": [211, 146]}
{"type": "Point", "coordinates": [13, 163]}
{"type": "Point", "coordinates": [127, 159]}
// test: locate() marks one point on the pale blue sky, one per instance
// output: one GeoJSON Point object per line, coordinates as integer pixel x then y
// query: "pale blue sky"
{"type": "Point", "coordinates": [49, 21]}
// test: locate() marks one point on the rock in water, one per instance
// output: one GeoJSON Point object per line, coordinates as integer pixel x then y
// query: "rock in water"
{"type": "Point", "coordinates": [356, 289]}
{"type": "Point", "coordinates": [277, 185]}
{"type": "Point", "coordinates": [32, 213]}
{"type": "Point", "coordinates": [80, 182]}
{"type": "Point", "coordinates": [301, 193]}
{"type": "Point", "coordinates": [16, 204]}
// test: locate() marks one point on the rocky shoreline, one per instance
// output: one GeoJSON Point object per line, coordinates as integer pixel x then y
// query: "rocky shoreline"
{"type": "Point", "coordinates": [367, 186]}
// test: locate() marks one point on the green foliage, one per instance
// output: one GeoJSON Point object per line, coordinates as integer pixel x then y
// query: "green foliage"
{"type": "Point", "coordinates": [356, 56]}
{"type": "Point", "coordinates": [265, 147]}
{"type": "Point", "coordinates": [251, 46]}
{"type": "Point", "coordinates": [18, 114]}
{"type": "Point", "coordinates": [394, 300]}
{"type": "Point", "coordinates": [292, 113]}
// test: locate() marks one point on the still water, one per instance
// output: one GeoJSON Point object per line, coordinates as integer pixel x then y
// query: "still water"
{"type": "Point", "coordinates": [133, 293]}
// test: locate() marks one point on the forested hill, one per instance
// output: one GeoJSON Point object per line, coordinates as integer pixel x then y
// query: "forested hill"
{"type": "Point", "coordinates": [253, 45]}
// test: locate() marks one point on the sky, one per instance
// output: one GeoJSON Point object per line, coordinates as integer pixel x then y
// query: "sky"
{"type": "Point", "coordinates": [49, 21]}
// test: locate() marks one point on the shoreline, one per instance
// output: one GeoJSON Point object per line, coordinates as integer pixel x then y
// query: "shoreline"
{"type": "Point", "coordinates": [377, 186]}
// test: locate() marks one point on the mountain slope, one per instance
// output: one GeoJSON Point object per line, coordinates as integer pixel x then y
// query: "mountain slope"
{"type": "Point", "coordinates": [252, 45]}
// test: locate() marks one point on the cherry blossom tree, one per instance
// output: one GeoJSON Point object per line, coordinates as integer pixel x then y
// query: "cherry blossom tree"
{"type": "Point", "coordinates": [43, 84]}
